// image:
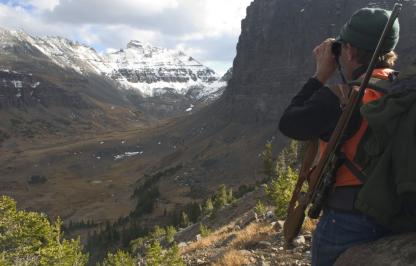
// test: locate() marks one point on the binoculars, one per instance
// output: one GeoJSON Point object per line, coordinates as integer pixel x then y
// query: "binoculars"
{"type": "Point", "coordinates": [336, 49]}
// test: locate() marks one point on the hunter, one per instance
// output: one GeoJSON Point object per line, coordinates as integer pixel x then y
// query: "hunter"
{"type": "Point", "coordinates": [314, 112]}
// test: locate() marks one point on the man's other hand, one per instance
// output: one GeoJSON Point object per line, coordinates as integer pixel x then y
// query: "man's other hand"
{"type": "Point", "coordinates": [325, 60]}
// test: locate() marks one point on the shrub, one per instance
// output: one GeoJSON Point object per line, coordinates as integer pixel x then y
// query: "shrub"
{"type": "Point", "coordinates": [260, 209]}
{"type": "Point", "coordinates": [28, 238]}
{"type": "Point", "coordinates": [172, 257]}
{"type": "Point", "coordinates": [158, 232]}
{"type": "Point", "coordinates": [204, 230]}
{"type": "Point", "coordinates": [208, 207]}
{"type": "Point", "coordinates": [156, 256]}
{"type": "Point", "coordinates": [221, 198]}
{"type": "Point", "coordinates": [121, 258]}
{"type": "Point", "coordinates": [170, 234]}
{"type": "Point", "coordinates": [184, 220]}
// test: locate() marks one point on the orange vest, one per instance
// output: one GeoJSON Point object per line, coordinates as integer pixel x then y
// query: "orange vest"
{"type": "Point", "coordinates": [344, 177]}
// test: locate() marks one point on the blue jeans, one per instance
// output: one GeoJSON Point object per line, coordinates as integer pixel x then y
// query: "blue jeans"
{"type": "Point", "coordinates": [339, 230]}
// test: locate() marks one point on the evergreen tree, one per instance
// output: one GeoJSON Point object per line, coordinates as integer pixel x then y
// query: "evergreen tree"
{"type": "Point", "coordinates": [204, 230]}
{"type": "Point", "coordinates": [121, 258]}
{"type": "Point", "coordinates": [260, 209]}
{"type": "Point", "coordinates": [170, 234]}
{"type": "Point", "coordinates": [230, 197]}
{"type": "Point", "coordinates": [154, 254]}
{"type": "Point", "coordinates": [221, 198]}
{"type": "Point", "coordinates": [158, 232]}
{"type": "Point", "coordinates": [184, 220]}
{"type": "Point", "coordinates": [28, 238]}
{"type": "Point", "coordinates": [268, 161]}
{"type": "Point", "coordinates": [208, 207]}
{"type": "Point", "coordinates": [279, 191]}
{"type": "Point", "coordinates": [172, 257]}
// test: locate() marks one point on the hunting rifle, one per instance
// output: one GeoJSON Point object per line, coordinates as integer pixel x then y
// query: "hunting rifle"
{"type": "Point", "coordinates": [321, 179]}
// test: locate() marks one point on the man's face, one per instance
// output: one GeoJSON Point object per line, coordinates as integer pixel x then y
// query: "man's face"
{"type": "Point", "coordinates": [346, 59]}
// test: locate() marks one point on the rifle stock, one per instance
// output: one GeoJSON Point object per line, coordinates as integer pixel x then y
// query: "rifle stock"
{"type": "Point", "coordinates": [322, 178]}
{"type": "Point", "coordinates": [297, 207]}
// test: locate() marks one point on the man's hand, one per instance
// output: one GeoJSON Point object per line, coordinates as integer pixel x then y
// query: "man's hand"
{"type": "Point", "coordinates": [325, 61]}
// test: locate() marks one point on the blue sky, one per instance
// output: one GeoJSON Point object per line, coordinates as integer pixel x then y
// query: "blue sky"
{"type": "Point", "coordinates": [207, 30]}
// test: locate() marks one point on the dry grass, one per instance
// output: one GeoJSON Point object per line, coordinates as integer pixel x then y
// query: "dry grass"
{"type": "Point", "coordinates": [208, 241]}
{"type": "Point", "coordinates": [309, 225]}
{"type": "Point", "coordinates": [233, 258]}
{"type": "Point", "coordinates": [252, 234]}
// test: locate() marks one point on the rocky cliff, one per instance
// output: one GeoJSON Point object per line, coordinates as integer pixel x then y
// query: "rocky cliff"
{"type": "Point", "coordinates": [274, 51]}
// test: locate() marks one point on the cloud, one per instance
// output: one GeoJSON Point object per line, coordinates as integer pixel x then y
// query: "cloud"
{"type": "Point", "coordinates": [205, 29]}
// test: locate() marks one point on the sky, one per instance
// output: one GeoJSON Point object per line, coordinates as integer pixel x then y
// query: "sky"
{"type": "Point", "coordinates": [207, 30]}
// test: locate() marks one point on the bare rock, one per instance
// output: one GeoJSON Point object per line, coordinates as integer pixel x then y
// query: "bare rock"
{"type": "Point", "coordinates": [395, 250]}
{"type": "Point", "coordinates": [247, 219]}
{"type": "Point", "coordinates": [269, 215]}
{"type": "Point", "coordinates": [298, 241]}
{"type": "Point", "coordinates": [279, 225]}
{"type": "Point", "coordinates": [182, 245]}
{"type": "Point", "coordinates": [264, 245]}
{"type": "Point", "coordinates": [198, 237]}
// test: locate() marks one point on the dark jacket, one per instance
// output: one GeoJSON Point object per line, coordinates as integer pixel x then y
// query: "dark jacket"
{"type": "Point", "coordinates": [314, 112]}
{"type": "Point", "coordinates": [388, 194]}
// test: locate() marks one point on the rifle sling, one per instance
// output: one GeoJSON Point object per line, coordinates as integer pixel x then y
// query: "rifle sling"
{"type": "Point", "coordinates": [352, 167]}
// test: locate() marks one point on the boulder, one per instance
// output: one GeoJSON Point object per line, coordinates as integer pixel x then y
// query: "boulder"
{"type": "Point", "coordinates": [395, 250]}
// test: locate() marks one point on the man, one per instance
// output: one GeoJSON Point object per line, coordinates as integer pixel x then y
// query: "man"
{"type": "Point", "coordinates": [314, 112]}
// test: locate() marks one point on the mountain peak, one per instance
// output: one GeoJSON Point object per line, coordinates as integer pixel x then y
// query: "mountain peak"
{"type": "Point", "coordinates": [135, 44]}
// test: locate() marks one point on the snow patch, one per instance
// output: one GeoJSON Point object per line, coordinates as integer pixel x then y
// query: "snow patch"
{"type": "Point", "coordinates": [127, 154]}
{"type": "Point", "coordinates": [17, 84]}
{"type": "Point", "coordinates": [35, 85]}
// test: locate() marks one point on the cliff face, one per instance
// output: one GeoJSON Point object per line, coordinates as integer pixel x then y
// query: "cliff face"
{"type": "Point", "coordinates": [274, 52]}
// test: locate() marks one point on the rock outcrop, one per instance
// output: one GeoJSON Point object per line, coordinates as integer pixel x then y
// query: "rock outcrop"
{"type": "Point", "coordinates": [395, 250]}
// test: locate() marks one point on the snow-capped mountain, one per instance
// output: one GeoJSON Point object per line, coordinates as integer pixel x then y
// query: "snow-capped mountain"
{"type": "Point", "coordinates": [149, 70]}
{"type": "Point", "coordinates": [153, 70]}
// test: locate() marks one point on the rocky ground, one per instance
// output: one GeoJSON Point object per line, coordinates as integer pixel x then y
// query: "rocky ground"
{"type": "Point", "coordinates": [249, 239]}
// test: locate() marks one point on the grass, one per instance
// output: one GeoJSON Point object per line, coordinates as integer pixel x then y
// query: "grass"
{"type": "Point", "coordinates": [309, 225]}
{"type": "Point", "coordinates": [234, 253]}
{"type": "Point", "coordinates": [252, 234]}
{"type": "Point", "coordinates": [208, 241]}
{"type": "Point", "coordinates": [233, 257]}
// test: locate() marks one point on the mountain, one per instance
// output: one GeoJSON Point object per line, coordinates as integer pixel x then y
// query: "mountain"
{"type": "Point", "coordinates": [145, 75]}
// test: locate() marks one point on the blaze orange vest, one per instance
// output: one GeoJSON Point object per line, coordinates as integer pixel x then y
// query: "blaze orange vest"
{"type": "Point", "coordinates": [344, 176]}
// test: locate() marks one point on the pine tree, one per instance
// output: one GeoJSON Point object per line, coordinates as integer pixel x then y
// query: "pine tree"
{"type": "Point", "coordinates": [279, 191]}
{"type": "Point", "coordinates": [268, 161]}
{"type": "Point", "coordinates": [154, 254]}
{"type": "Point", "coordinates": [170, 234]}
{"type": "Point", "coordinates": [230, 197]}
{"type": "Point", "coordinates": [221, 198]}
{"type": "Point", "coordinates": [208, 207]}
{"type": "Point", "coordinates": [120, 258]}
{"type": "Point", "coordinates": [184, 220]}
{"type": "Point", "coordinates": [172, 257]}
{"type": "Point", "coordinates": [28, 238]}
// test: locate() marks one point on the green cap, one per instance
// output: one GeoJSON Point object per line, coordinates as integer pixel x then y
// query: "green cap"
{"type": "Point", "coordinates": [365, 27]}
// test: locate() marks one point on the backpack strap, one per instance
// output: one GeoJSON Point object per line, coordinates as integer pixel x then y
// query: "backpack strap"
{"type": "Point", "coordinates": [351, 166]}
{"type": "Point", "coordinates": [377, 84]}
